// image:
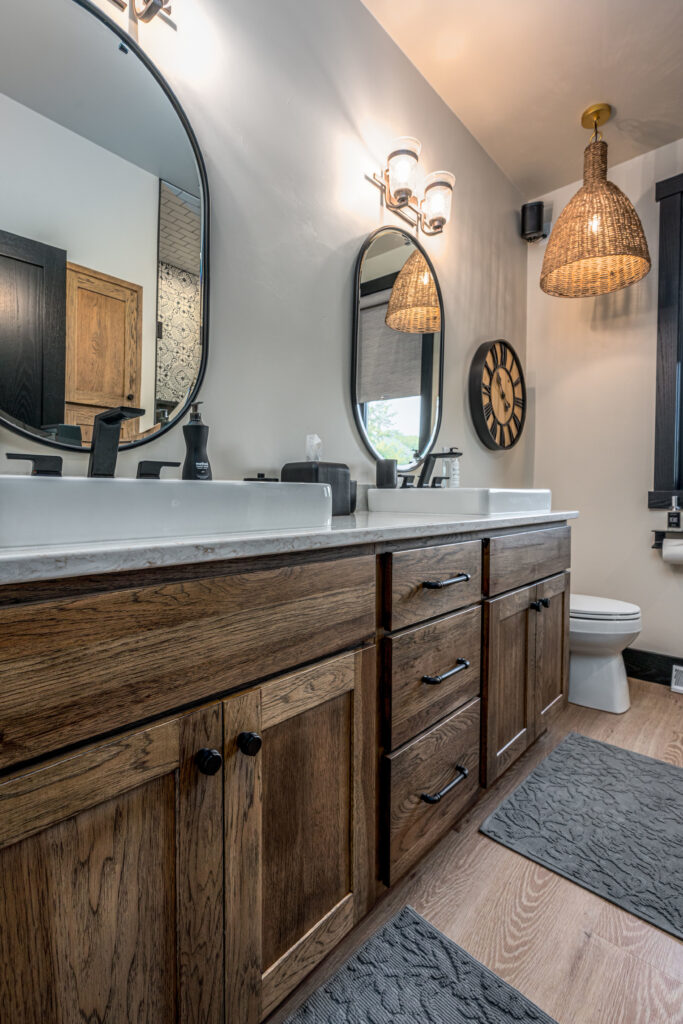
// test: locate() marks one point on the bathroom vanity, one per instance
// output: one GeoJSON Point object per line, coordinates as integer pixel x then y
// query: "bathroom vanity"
{"type": "Point", "coordinates": [212, 767]}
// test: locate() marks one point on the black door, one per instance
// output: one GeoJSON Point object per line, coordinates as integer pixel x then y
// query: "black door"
{"type": "Point", "coordinates": [32, 330]}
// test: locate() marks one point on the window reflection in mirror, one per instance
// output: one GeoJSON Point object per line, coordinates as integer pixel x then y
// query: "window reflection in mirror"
{"type": "Point", "coordinates": [397, 373]}
{"type": "Point", "coordinates": [101, 232]}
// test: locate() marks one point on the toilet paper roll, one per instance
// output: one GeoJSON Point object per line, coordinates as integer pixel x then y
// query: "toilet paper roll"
{"type": "Point", "coordinates": [672, 550]}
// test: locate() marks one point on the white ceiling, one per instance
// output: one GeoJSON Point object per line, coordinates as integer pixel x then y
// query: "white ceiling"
{"type": "Point", "coordinates": [519, 74]}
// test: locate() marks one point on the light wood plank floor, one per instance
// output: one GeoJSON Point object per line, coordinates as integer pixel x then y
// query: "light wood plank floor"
{"type": "Point", "coordinates": [581, 959]}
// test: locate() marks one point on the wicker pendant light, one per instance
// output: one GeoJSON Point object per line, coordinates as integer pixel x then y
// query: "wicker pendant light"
{"type": "Point", "coordinates": [598, 244]}
{"type": "Point", "coordinates": [414, 303]}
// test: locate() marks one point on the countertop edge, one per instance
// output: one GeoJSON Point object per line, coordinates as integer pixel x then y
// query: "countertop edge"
{"type": "Point", "coordinates": [29, 565]}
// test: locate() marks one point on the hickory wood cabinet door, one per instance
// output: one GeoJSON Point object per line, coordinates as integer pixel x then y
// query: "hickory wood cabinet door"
{"type": "Point", "coordinates": [526, 661]}
{"type": "Point", "coordinates": [552, 649]}
{"type": "Point", "coordinates": [508, 705]}
{"type": "Point", "coordinates": [111, 882]}
{"type": "Point", "coordinates": [300, 825]}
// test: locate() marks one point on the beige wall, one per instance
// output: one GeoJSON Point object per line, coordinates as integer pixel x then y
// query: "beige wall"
{"type": "Point", "coordinates": [592, 370]}
{"type": "Point", "coordinates": [293, 103]}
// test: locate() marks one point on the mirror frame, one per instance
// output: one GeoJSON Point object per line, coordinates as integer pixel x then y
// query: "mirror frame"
{"type": "Point", "coordinates": [135, 48]}
{"type": "Point", "coordinates": [354, 359]}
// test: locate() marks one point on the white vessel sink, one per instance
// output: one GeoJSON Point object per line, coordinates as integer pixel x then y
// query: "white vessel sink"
{"type": "Point", "coordinates": [466, 501]}
{"type": "Point", "coordinates": [71, 510]}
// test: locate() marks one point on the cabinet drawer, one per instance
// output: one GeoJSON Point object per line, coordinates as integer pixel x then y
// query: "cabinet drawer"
{"type": "Point", "coordinates": [427, 766]}
{"type": "Point", "coordinates": [425, 582]}
{"type": "Point", "coordinates": [77, 667]}
{"type": "Point", "coordinates": [435, 651]}
{"type": "Point", "coordinates": [521, 558]}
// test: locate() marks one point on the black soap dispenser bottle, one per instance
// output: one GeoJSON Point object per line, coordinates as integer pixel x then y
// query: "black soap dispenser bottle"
{"type": "Point", "coordinates": [196, 465]}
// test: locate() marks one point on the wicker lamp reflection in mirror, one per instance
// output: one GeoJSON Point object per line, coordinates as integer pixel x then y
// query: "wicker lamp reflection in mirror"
{"type": "Point", "coordinates": [414, 306]}
{"type": "Point", "coordinates": [598, 244]}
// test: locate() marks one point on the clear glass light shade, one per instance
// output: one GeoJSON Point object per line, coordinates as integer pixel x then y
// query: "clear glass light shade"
{"type": "Point", "coordinates": [402, 167]}
{"type": "Point", "coordinates": [436, 205]}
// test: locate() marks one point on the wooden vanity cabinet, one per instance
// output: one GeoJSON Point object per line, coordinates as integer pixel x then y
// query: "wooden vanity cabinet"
{"type": "Point", "coordinates": [300, 776]}
{"type": "Point", "coordinates": [111, 882]}
{"type": "Point", "coordinates": [526, 669]}
{"type": "Point", "coordinates": [137, 886]}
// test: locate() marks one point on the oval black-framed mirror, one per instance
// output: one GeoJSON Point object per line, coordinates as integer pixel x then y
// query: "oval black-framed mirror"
{"type": "Point", "coordinates": [398, 348]}
{"type": "Point", "coordinates": [104, 232]}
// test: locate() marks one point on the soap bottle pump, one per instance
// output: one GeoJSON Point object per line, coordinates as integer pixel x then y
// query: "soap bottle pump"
{"type": "Point", "coordinates": [196, 465]}
{"type": "Point", "coordinates": [451, 467]}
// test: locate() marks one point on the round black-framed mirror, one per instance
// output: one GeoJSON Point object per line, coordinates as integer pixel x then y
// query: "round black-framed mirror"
{"type": "Point", "coordinates": [104, 233]}
{"type": "Point", "coordinates": [398, 348]}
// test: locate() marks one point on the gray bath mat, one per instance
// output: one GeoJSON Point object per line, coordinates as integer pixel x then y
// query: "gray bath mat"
{"type": "Point", "coordinates": [606, 818]}
{"type": "Point", "coordinates": [408, 972]}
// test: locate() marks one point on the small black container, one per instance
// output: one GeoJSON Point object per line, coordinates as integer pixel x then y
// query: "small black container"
{"type": "Point", "coordinates": [196, 465]}
{"type": "Point", "coordinates": [337, 474]}
{"type": "Point", "coordinates": [386, 473]}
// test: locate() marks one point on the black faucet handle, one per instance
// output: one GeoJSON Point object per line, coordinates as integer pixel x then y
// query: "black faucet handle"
{"type": "Point", "coordinates": [119, 414]}
{"type": "Point", "coordinates": [407, 479]}
{"type": "Point", "coordinates": [437, 481]}
{"type": "Point", "coordinates": [150, 470]}
{"type": "Point", "coordinates": [43, 465]}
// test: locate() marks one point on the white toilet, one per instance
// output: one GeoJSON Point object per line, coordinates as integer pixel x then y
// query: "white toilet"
{"type": "Point", "coordinates": [599, 630]}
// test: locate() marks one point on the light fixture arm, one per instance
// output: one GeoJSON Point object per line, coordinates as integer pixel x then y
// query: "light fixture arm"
{"type": "Point", "coordinates": [145, 10]}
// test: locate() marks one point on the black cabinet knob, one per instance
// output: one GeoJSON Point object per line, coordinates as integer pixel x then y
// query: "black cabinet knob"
{"type": "Point", "coordinates": [208, 761]}
{"type": "Point", "coordinates": [535, 606]}
{"type": "Point", "coordinates": [249, 743]}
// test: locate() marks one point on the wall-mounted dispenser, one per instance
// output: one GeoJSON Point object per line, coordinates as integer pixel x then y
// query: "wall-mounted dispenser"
{"type": "Point", "coordinates": [532, 222]}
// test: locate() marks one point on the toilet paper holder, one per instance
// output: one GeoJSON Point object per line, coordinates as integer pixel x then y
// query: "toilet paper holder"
{"type": "Point", "coordinates": [658, 537]}
{"type": "Point", "coordinates": [673, 525]}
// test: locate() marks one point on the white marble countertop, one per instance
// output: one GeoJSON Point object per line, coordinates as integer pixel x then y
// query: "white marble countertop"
{"type": "Point", "coordinates": [29, 564]}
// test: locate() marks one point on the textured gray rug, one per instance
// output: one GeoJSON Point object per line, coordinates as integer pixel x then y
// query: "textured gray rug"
{"type": "Point", "coordinates": [408, 972]}
{"type": "Point", "coordinates": [606, 818]}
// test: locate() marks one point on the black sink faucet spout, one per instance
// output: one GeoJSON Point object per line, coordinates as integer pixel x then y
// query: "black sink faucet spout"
{"type": "Point", "coordinates": [104, 447]}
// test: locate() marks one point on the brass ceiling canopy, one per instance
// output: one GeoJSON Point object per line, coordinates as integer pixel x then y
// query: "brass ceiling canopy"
{"type": "Point", "coordinates": [597, 244]}
{"type": "Point", "coordinates": [596, 116]}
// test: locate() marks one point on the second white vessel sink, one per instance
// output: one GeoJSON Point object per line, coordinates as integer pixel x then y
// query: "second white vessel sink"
{"type": "Point", "coordinates": [472, 501]}
{"type": "Point", "coordinates": [37, 511]}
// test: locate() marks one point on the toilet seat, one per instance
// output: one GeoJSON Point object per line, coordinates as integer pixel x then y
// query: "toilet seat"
{"type": "Point", "coordinates": [585, 607]}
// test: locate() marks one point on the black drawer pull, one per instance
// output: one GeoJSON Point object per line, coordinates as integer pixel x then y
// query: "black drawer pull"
{"type": "Point", "coordinates": [462, 577]}
{"type": "Point", "coordinates": [545, 602]}
{"type": "Point", "coordinates": [433, 798]}
{"type": "Point", "coordinates": [460, 666]}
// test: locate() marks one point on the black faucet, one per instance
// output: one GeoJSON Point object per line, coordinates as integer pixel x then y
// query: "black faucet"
{"type": "Point", "coordinates": [106, 430]}
{"type": "Point", "coordinates": [428, 467]}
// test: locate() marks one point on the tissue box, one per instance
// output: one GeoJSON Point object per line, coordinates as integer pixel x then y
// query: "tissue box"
{"type": "Point", "coordinates": [336, 474]}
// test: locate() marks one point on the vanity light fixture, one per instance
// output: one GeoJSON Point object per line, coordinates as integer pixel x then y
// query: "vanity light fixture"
{"type": "Point", "coordinates": [398, 184]}
{"type": "Point", "coordinates": [598, 244]}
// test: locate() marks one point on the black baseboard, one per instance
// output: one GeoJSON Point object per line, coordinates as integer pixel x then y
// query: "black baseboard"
{"type": "Point", "coordinates": [654, 668]}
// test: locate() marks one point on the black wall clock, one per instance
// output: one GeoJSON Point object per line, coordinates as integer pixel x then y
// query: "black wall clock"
{"type": "Point", "coordinates": [497, 395]}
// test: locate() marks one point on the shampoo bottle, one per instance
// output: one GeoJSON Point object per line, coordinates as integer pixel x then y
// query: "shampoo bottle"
{"type": "Point", "coordinates": [196, 465]}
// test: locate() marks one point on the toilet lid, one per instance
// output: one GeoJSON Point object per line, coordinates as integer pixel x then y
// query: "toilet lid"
{"type": "Point", "coordinates": [583, 606]}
